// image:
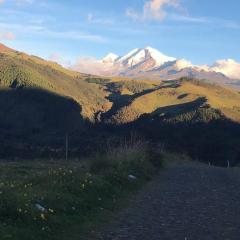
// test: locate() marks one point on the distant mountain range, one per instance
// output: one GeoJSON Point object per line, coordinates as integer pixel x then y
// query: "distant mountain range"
{"type": "Point", "coordinates": [149, 63]}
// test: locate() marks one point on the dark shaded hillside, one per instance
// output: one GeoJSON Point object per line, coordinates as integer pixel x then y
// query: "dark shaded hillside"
{"type": "Point", "coordinates": [34, 117]}
{"type": "Point", "coordinates": [203, 134]}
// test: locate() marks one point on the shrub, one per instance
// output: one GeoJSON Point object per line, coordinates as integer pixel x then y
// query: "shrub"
{"type": "Point", "coordinates": [130, 158]}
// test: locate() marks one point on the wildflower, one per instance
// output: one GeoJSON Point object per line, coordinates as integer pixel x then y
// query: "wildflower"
{"type": "Point", "coordinates": [43, 216]}
{"type": "Point", "coordinates": [51, 210]}
{"type": "Point", "coordinates": [19, 210]}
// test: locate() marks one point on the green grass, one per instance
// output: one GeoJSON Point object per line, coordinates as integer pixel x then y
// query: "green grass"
{"type": "Point", "coordinates": [77, 196]}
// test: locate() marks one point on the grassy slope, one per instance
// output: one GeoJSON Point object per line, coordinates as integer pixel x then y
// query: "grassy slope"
{"type": "Point", "coordinates": [223, 99]}
{"type": "Point", "coordinates": [18, 69]}
{"type": "Point", "coordinates": [77, 196]}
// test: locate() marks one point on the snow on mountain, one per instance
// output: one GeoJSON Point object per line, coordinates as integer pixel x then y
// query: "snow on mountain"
{"type": "Point", "coordinates": [110, 58]}
{"type": "Point", "coordinates": [128, 56]}
{"type": "Point", "coordinates": [159, 57]}
{"type": "Point", "coordinates": [138, 56]}
{"type": "Point", "coordinates": [152, 64]}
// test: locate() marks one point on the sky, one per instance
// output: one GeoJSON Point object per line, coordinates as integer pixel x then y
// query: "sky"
{"type": "Point", "coordinates": [201, 31]}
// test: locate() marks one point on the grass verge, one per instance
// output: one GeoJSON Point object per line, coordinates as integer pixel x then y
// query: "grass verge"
{"type": "Point", "coordinates": [59, 200]}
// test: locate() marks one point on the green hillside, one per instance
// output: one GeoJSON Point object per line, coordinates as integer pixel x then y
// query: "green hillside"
{"type": "Point", "coordinates": [41, 102]}
{"type": "Point", "coordinates": [18, 70]}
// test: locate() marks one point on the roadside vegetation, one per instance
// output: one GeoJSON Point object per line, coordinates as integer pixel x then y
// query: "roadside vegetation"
{"type": "Point", "coordinates": [68, 200]}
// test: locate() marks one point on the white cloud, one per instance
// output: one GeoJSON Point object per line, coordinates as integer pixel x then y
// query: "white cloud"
{"type": "Point", "coordinates": [89, 65]}
{"type": "Point", "coordinates": [74, 35]}
{"type": "Point", "coordinates": [132, 14]}
{"type": "Point", "coordinates": [92, 19]}
{"type": "Point", "coordinates": [189, 19]}
{"type": "Point", "coordinates": [228, 67]}
{"type": "Point", "coordinates": [40, 30]}
{"type": "Point", "coordinates": [153, 10]}
{"type": "Point", "coordinates": [7, 36]}
{"type": "Point", "coordinates": [58, 58]}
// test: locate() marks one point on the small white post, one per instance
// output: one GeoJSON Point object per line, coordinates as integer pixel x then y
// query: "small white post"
{"type": "Point", "coordinates": [66, 147]}
{"type": "Point", "coordinates": [228, 164]}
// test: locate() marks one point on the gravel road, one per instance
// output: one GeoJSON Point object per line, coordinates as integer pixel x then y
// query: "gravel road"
{"type": "Point", "coordinates": [186, 202]}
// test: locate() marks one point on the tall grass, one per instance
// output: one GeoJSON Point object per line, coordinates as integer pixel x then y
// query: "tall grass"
{"type": "Point", "coordinates": [132, 157]}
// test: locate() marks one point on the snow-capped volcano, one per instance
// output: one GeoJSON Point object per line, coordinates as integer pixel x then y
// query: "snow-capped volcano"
{"type": "Point", "coordinates": [110, 58]}
{"type": "Point", "coordinates": [152, 64]}
{"type": "Point", "coordinates": [138, 56]}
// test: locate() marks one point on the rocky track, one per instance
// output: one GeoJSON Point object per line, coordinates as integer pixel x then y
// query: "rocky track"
{"type": "Point", "coordinates": [186, 202]}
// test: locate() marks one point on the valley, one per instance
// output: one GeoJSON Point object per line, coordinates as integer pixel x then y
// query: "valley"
{"type": "Point", "coordinates": [41, 102]}
{"type": "Point", "coordinates": [80, 145]}
{"type": "Point", "coordinates": [119, 120]}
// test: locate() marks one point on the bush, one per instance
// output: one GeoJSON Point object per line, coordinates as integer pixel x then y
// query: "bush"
{"type": "Point", "coordinates": [132, 158]}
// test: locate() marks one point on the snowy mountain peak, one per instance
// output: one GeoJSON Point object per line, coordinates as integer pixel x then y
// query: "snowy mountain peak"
{"type": "Point", "coordinates": [140, 56]}
{"type": "Point", "coordinates": [128, 56]}
{"type": "Point", "coordinates": [110, 58]}
{"type": "Point", "coordinates": [159, 57]}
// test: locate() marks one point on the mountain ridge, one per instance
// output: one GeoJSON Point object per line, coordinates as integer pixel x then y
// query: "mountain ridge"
{"type": "Point", "coordinates": [149, 63]}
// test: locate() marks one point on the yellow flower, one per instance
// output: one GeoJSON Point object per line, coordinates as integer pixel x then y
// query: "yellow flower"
{"type": "Point", "coordinates": [51, 210]}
